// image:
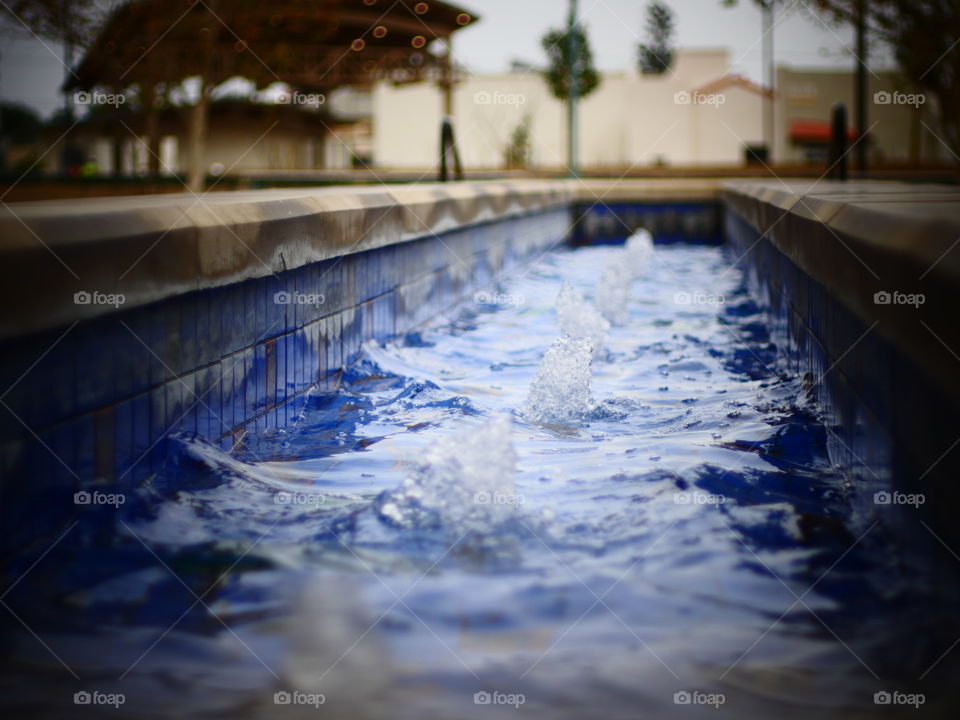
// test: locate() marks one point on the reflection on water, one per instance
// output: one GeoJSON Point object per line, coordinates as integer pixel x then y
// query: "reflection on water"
{"type": "Point", "coordinates": [490, 520]}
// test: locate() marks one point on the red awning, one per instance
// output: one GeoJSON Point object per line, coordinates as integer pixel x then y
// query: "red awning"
{"type": "Point", "coordinates": [815, 131]}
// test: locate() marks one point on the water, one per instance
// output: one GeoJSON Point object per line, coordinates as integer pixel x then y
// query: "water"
{"type": "Point", "coordinates": [568, 516]}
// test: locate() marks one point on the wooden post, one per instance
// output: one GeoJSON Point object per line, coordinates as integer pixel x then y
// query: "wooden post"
{"type": "Point", "coordinates": [199, 114]}
{"type": "Point", "coordinates": [197, 173]}
{"type": "Point", "coordinates": [447, 82]}
{"type": "Point", "coordinates": [152, 126]}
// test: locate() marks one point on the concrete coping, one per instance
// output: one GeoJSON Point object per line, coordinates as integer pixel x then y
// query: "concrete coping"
{"type": "Point", "coordinates": [148, 248]}
{"type": "Point", "coordinates": [920, 222]}
{"type": "Point", "coordinates": [888, 251]}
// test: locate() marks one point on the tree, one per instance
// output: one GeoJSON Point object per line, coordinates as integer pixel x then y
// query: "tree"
{"type": "Point", "coordinates": [557, 46]}
{"type": "Point", "coordinates": [73, 23]}
{"type": "Point", "coordinates": [517, 152]}
{"type": "Point", "coordinates": [18, 123]}
{"type": "Point", "coordinates": [922, 35]}
{"type": "Point", "coordinates": [656, 55]}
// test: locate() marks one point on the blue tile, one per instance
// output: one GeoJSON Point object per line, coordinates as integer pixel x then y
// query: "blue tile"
{"type": "Point", "coordinates": [140, 413]}
{"type": "Point", "coordinates": [123, 437]}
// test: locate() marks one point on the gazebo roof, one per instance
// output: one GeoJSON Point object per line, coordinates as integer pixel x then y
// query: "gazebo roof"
{"type": "Point", "coordinates": [314, 45]}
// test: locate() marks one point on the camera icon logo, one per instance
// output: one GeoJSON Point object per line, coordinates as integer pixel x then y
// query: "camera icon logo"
{"type": "Point", "coordinates": [282, 498]}
{"type": "Point", "coordinates": [481, 698]}
{"type": "Point", "coordinates": [82, 698]}
{"type": "Point", "coordinates": [482, 498]}
{"type": "Point", "coordinates": [82, 97]}
{"type": "Point", "coordinates": [282, 298]}
{"type": "Point", "coordinates": [882, 498]}
{"type": "Point", "coordinates": [683, 298]}
{"type": "Point", "coordinates": [882, 97]}
{"type": "Point", "coordinates": [82, 298]}
{"type": "Point", "coordinates": [882, 298]}
{"type": "Point", "coordinates": [682, 498]}
{"type": "Point", "coordinates": [282, 698]}
{"type": "Point", "coordinates": [681, 698]}
{"type": "Point", "coordinates": [82, 498]}
{"type": "Point", "coordinates": [882, 698]}
{"type": "Point", "coordinates": [482, 98]}
{"type": "Point", "coordinates": [682, 98]}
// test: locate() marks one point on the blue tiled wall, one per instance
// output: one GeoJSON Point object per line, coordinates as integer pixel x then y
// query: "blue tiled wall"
{"type": "Point", "coordinates": [688, 222]}
{"type": "Point", "coordinates": [888, 420]}
{"type": "Point", "coordinates": [97, 404]}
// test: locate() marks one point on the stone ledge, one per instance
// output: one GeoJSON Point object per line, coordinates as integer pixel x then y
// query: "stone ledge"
{"type": "Point", "coordinates": [858, 239]}
{"type": "Point", "coordinates": [155, 247]}
{"type": "Point", "coordinates": [639, 190]}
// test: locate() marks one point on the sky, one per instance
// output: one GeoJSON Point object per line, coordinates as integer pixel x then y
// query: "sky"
{"type": "Point", "coordinates": [31, 70]}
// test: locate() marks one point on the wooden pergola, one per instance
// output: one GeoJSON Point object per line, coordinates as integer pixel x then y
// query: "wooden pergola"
{"type": "Point", "coordinates": [314, 46]}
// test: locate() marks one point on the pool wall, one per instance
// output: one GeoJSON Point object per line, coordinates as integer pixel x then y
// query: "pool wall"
{"type": "Point", "coordinates": [860, 283]}
{"type": "Point", "coordinates": [236, 305]}
{"type": "Point", "coordinates": [234, 308]}
{"type": "Point", "coordinates": [686, 211]}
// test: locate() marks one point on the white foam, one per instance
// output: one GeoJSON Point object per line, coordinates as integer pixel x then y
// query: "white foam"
{"type": "Point", "coordinates": [465, 483]}
{"type": "Point", "coordinates": [640, 251]}
{"type": "Point", "coordinates": [579, 318]}
{"type": "Point", "coordinates": [613, 292]}
{"type": "Point", "coordinates": [560, 391]}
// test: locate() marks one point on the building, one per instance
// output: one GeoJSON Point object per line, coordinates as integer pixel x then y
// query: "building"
{"type": "Point", "coordinates": [697, 114]}
{"type": "Point", "coordinates": [896, 117]}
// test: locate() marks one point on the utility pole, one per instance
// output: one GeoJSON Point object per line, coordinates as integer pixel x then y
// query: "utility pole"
{"type": "Point", "coordinates": [769, 129]}
{"type": "Point", "coordinates": [573, 94]}
{"type": "Point", "coordinates": [861, 103]}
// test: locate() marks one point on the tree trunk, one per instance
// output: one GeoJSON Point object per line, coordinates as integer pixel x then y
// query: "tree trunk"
{"type": "Point", "coordinates": [118, 139]}
{"type": "Point", "coordinates": [197, 172]}
{"type": "Point", "coordinates": [152, 125]}
{"type": "Point", "coordinates": [916, 117]}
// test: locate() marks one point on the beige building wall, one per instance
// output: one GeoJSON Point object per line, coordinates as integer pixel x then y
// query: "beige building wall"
{"type": "Point", "coordinates": [236, 149]}
{"type": "Point", "coordinates": [897, 133]}
{"type": "Point", "coordinates": [630, 119]}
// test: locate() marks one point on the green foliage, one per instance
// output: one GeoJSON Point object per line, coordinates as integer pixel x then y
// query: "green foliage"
{"type": "Point", "coordinates": [656, 55]}
{"type": "Point", "coordinates": [72, 22]}
{"type": "Point", "coordinates": [517, 152]}
{"type": "Point", "coordinates": [557, 46]}
{"type": "Point", "coordinates": [19, 124]}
